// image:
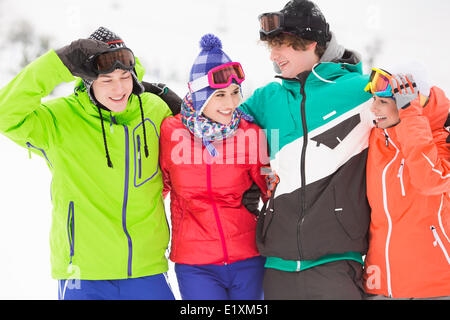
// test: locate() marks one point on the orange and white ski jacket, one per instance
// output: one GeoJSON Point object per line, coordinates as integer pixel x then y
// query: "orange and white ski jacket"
{"type": "Point", "coordinates": [408, 186]}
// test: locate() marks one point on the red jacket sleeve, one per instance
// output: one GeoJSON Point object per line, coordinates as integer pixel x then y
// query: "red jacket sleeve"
{"type": "Point", "coordinates": [256, 172]}
{"type": "Point", "coordinates": [426, 152]}
{"type": "Point", "coordinates": [164, 156]}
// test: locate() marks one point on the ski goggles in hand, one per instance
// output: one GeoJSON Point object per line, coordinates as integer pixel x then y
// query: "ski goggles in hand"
{"type": "Point", "coordinates": [380, 83]}
{"type": "Point", "coordinates": [119, 58]}
{"type": "Point", "coordinates": [271, 23]}
{"type": "Point", "coordinates": [219, 77]}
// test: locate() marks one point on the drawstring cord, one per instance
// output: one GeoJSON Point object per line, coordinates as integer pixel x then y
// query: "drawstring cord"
{"type": "Point", "coordinates": [319, 77]}
{"type": "Point", "coordinates": [143, 124]}
{"type": "Point", "coordinates": [104, 138]}
{"type": "Point", "coordinates": [108, 158]}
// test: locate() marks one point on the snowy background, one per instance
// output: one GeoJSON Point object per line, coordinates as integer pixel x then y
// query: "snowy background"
{"type": "Point", "coordinates": [165, 36]}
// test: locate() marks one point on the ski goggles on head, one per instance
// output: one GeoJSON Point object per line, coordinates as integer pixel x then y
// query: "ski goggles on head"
{"type": "Point", "coordinates": [219, 77]}
{"type": "Point", "coordinates": [118, 58]}
{"type": "Point", "coordinates": [271, 23]}
{"type": "Point", "coordinates": [274, 23]}
{"type": "Point", "coordinates": [380, 83]}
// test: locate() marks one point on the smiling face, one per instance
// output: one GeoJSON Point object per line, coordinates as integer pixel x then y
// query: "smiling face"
{"type": "Point", "coordinates": [291, 61]}
{"type": "Point", "coordinates": [113, 89]}
{"type": "Point", "coordinates": [385, 111]}
{"type": "Point", "coordinates": [222, 104]}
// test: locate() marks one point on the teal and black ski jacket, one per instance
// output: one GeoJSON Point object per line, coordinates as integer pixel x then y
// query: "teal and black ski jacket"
{"type": "Point", "coordinates": [318, 126]}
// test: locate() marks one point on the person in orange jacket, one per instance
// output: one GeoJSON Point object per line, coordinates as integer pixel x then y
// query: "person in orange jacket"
{"type": "Point", "coordinates": [408, 187]}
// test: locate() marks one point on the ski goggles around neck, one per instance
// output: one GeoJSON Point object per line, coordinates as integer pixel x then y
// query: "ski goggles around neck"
{"type": "Point", "coordinates": [118, 58]}
{"type": "Point", "coordinates": [219, 77]}
{"type": "Point", "coordinates": [380, 83]}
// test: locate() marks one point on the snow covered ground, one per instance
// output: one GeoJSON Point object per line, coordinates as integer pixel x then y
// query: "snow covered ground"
{"type": "Point", "coordinates": [165, 35]}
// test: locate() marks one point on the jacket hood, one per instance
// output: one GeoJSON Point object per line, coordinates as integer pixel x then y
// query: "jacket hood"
{"type": "Point", "coordinates": [328, 72]}
{"type": "Point", "coordinates": [334, 63]}
{"type": "Point", "coordinates": [134, 107]}
{"type": "Point", "coordinates": [336, 55]}
{"type": "Point", "coordinates": [122, 117]}
{"type": "Point", "coordinates": [437, 109]}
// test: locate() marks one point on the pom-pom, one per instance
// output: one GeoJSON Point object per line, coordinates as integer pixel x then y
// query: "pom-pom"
{"type": "Point", "coordinates": [209, 42]}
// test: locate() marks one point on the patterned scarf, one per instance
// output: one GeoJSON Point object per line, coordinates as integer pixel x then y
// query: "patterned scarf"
{"type": "Point", "coordinates": [205, 128]}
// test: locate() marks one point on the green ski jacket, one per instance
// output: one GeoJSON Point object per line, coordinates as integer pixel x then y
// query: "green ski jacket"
{"type": "Point", "coordinates": [107, 223]}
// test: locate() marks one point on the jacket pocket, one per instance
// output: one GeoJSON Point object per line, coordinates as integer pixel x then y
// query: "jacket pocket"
{"type": "Point", "coordinates": [71, 230]}
{"type": "Point", "coordinates": [444, 217]}
{"type": "Point", "coordinates": [139, 156]}
{"type": "Point", "coordinates": [29, 145]}
{"type": "Point", "coordinates": [264, 220]}
{"type": "Point", "coordinates": [400, 176]}
{"type": "Point", "coordinates": [266, 216]}
{"type": "Point", "coordinates": [334, 136]}
{"type": "Point", "coordinates": [354, 217]}
{"type": "Point", "coordinates": [438, 242]}
{"type": "Point", "coordinates": [145, 168]}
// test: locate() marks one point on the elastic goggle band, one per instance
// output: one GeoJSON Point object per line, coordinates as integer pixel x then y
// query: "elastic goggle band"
{"type": "Point", "coordinates": [219, 77]}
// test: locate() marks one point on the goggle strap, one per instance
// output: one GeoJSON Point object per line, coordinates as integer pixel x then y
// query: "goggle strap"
{"type": "Point", "coordinates": [198, 84]}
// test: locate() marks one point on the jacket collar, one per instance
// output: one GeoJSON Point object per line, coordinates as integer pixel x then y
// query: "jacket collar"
{"type": "Point", "coordinates": [325, 72]}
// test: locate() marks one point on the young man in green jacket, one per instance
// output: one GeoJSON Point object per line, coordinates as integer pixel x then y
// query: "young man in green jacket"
{"type": "Point", "coordinates": [314, 231]}
{"type": "Point", "coordinates": [109, 232]}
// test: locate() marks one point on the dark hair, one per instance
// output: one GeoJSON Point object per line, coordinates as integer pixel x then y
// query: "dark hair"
{"type": "Point", "coordinates": [293, 41]}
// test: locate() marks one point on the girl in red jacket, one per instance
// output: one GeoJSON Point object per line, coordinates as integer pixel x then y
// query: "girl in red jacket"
{"type": "Point", "coordinates": [408, 179]}
{"type": "Point", "coordinates": [209, 156]}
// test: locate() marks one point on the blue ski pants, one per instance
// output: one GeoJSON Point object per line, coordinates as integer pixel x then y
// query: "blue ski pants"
{"type": "Point", "coordinates": [241, 280]}
{"type": "Point", "coordinates": [155, 287]}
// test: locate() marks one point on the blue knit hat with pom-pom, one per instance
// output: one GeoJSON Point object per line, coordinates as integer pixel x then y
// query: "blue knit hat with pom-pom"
{"type": "Point", "coordinates": [210, 57]}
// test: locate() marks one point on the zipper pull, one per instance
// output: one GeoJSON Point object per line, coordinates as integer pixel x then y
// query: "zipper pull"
{"type": "Point", "coordinates": [138, 147]}
{"type": "Point", "coordinates": [433, 229]}
{"type": "Point", "coordinates": [387, 139]}
{"type": "Point", "coordinates": [400, 176]}
{"type": "Point", "coordinates": [400, 170]}
{"type": "Point", "coordinates": [111, 128]}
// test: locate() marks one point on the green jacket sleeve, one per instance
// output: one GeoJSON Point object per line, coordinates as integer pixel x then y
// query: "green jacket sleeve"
{"type": "Point", "coordinates": [258, 104]}
{"type": "Point", "coordinates": [249, 106]}
{"type": "Point", "coordinates": [23, 117]}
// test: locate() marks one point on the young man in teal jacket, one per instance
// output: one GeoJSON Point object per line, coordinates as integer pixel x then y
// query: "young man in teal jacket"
{"type": "Point", "coordinates": [314, 231]}
{"type": "Point", "coordinates": [109, 232]}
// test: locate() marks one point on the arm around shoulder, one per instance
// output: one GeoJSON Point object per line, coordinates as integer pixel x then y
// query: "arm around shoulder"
{"type": "Point", "coordinates": [165, 151]}
{"type": "Point", "coordinates": [255, 106]}
{"type": "Point", "coordinates": [427, 157]}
